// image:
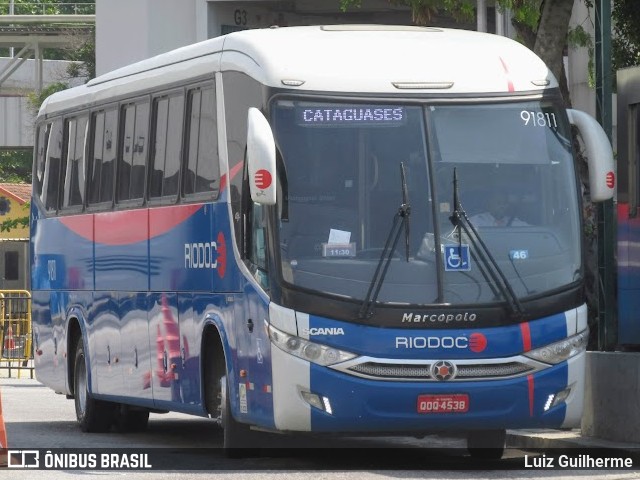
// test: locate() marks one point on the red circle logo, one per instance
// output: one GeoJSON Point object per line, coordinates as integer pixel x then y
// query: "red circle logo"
{"type": "Point", "coordinates": [477, 342]}
{"type": "Point", "coordinates": [611, 179]}
{"type": "Point", "coordinates": [262, 179]}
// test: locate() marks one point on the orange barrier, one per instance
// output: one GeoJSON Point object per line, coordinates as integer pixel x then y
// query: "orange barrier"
{"type": "Point", "coordinates": [9, 341]}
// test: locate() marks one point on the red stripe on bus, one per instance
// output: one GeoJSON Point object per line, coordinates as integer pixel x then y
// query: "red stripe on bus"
{"type": "Point", "coordinates": [129, 226]}
{"type": "Point", "coordinates": [80, 224]}
{"type": "Point", "coordinates": [530, 382]}
{"type": "Point", "coordinates": [526, 337]}
{"type": "Point", "coordinates": [163, 219]}
{"type": "Point", "coordinates": [510, 85]}
{"type": "Point", "coordinates": [122, 228]}
{"type": "Point", "coordinates": [232, 173]}
{"type": "Point", "coordinates": [133, 226]}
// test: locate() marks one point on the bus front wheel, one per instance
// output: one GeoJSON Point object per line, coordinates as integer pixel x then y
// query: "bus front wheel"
{"type": "Point", "coordinates": [239, 440]}
{"type": "Point", "coordinates": [93, 415]}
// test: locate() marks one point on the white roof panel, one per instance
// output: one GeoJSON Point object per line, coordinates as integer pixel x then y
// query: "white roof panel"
{"type": "Point", "coordinates": [350, 58]}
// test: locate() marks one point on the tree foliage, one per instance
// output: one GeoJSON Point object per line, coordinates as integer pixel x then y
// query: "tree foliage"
{"type": "Point", "coordinates": [626, 40]}
{"type": "Point", "coordinates": [15, 166]}
{"type": "Point", "coordinates": [53, 7]}
{"type": "Point", "coordinates": [542, 25]}
{"type": "Point", "coordinates": [49, 7]}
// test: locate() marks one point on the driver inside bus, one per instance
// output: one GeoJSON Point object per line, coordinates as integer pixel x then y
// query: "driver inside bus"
{"type": "Point", "coordinates": [498, 213]}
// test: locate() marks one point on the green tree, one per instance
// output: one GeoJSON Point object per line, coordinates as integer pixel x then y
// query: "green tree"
{"type": "Point", "coordinates": [52, 7]}
{"type": "Point", "coordinates": [15, 166]}
{"type": "Point", "coordinates": [626, 38]}
{"type": "Point", "coordinates": [49, 7]}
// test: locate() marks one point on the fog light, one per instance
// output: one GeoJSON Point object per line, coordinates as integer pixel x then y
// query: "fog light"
{"type": "Point", "coordinates": [312, 399]}
{"type": "Point", "coordinates": [327, 405]}
{"type": "Point", "coordinates": [561, 396]}
{"type": "Point", "coordinates": [557, 398]}
{"type": "Point", "coordinates": [549, 402]}
{"type": "Point", "coordinates": [316, 401]}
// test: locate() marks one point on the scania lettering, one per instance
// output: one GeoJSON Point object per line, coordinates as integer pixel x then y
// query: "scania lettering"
{"type": "Point", "coordinates": [259, 230]}
{"type": "Point", "coordinates": [324, 331]}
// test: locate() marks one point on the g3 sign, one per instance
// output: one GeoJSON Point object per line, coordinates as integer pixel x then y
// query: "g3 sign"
{"type": "Point", "coordinates": [240, 17]}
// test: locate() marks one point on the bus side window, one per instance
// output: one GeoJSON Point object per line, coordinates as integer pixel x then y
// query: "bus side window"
{"type": "Point", "coordinates": [104, 127]}
{"type": "Point", "coordinates": [132, 162]}
{"type": "Point", "coordinates": [167, 145]}
{"type": "Point", "coordinates": [257, 251]}
{"type": "Point", "coordinates": [52, 166]}
{"type": "Point", "coordinates": [74, 170]}
{"type": "Point", "coordinates": [202, 171]}
{"type": "Point", "coordinates": [38, 174]}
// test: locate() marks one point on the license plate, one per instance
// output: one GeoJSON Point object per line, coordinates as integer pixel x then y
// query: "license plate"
{"type": "Point", "coordinates": [453, 403]}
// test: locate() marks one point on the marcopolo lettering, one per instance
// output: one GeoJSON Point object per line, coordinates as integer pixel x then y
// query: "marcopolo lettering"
{"type": "Point", "coordinates": [201, 255]}
{"type": "Point", "coordinates": [439, 318]}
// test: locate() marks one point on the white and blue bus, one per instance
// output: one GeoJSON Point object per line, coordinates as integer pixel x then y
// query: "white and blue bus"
{"type": "Point", "coordinates": [344, 229]}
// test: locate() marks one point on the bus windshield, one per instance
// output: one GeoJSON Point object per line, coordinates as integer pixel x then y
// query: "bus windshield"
{"type": "Point", "coordinates": [516, 183]}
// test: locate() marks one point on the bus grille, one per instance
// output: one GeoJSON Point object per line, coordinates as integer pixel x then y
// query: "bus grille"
{"type": "Point", "coordinates": [393, 371]}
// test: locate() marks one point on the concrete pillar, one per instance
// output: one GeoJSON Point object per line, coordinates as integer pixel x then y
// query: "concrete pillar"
{"type": "Point", "coordinates": [482, 15]}
{"type": "Point", "coordinates": [38, 66]}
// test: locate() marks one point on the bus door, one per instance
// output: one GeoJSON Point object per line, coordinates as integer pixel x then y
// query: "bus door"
{"type": "Point", "coordinates": [253, 382]}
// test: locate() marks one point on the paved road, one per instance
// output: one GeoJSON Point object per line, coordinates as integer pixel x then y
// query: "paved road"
{"type": "Point", "coordinates": [35, 417]}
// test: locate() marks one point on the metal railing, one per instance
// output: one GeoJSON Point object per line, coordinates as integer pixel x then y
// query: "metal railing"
{"type": "Point", "coordinates": [16, 348]}
{"type": "Point", "coordinates": [37, 8]}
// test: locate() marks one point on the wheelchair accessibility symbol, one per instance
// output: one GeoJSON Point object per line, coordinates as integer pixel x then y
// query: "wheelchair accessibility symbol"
{"type": "Point", "coordinates": [456, 258]}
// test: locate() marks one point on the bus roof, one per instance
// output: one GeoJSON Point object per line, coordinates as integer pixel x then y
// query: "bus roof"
{"type": "Point", "coordinates": [377, 59]}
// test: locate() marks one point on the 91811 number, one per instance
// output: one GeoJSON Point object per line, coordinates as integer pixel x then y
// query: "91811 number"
{"type": "Point", "coordinates": [539, 119]}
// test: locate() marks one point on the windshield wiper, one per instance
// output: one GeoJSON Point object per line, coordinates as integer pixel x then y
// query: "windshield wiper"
{"type": "Point", "coordinates": [400, 219]}
{"type": "Point", "coordinates": [459, 220]}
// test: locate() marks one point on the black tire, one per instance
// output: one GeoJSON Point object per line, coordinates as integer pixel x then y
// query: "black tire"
{"type": "Point", "coordinates": [486, 444]}
{"type": "Point", "coordinates": [239, 440]}
{"type": "Point", "coordinates": [131, 419]}
{"type": "Point", "coordinates": [93, 415]}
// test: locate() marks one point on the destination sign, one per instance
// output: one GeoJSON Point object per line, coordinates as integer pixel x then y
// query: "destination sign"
{"type": "Point", "coordinates": [350, 115]}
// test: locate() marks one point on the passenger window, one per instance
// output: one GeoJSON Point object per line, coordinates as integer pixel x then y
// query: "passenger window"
{"type": "Point", "coordinates": [74, 170]}
{"type": "Point", "coordinates": [257, 243]}
{"type": "Point", "coordinates": [202, 173]}
{"type": "Point", "coordinates": [52, 167]}
{"type": "Point", "coordinates": [102, 161]}
{"type": "Point", "coordinates": [131, 167]}
{"type": "Point", "coordinates": [41, 155]}
{"type": "Point", "coordinates": [165, 164]}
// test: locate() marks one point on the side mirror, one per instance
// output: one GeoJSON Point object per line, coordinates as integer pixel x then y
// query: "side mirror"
{"type": "Point", "coordinates": [261, 158]}
{"type": "Point", "coordinates": [602, 178]}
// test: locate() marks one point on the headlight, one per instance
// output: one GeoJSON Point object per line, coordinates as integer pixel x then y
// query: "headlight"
{"type": "Point", "coordinates": [560, 351]}
{"type": "Point", "coordinates": [310, 351]}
